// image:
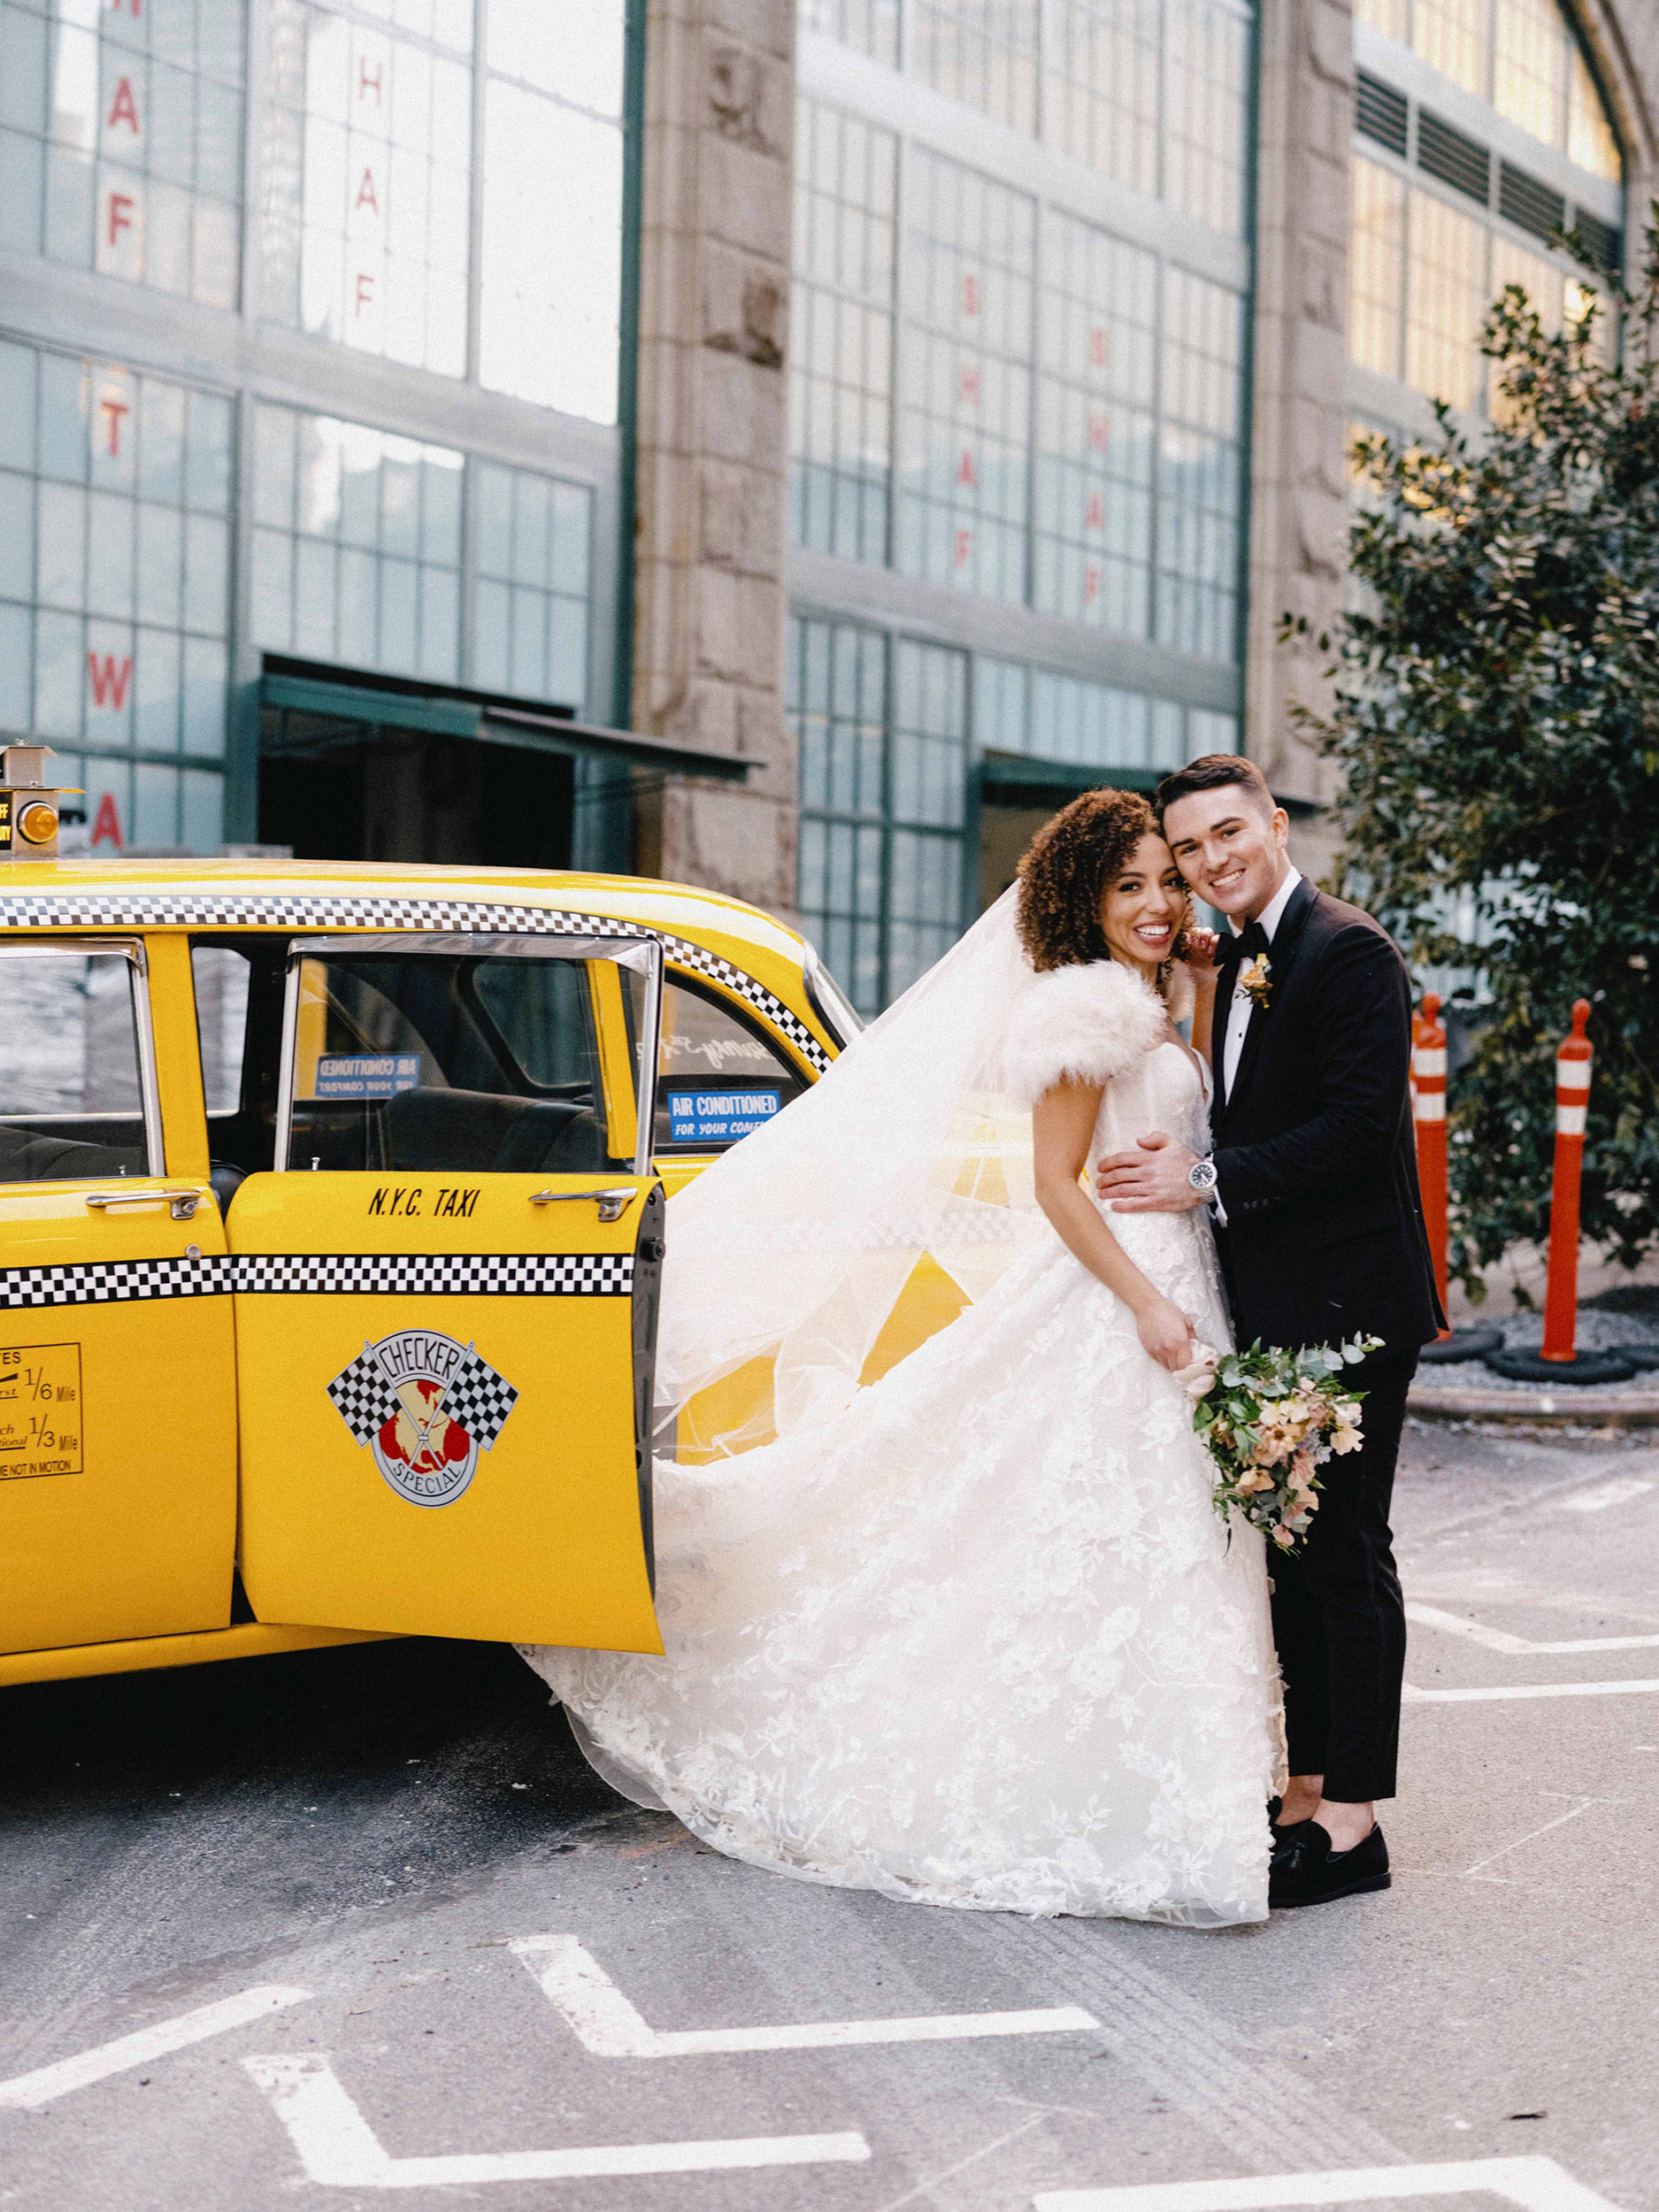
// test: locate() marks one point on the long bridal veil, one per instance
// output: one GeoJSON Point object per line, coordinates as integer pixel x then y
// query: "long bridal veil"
{"type": "Point", "coordinates": [906, 1167]}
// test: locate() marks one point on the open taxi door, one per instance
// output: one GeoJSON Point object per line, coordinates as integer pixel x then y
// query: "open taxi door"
{"type": "Point", "coordinates": [447, 1292]}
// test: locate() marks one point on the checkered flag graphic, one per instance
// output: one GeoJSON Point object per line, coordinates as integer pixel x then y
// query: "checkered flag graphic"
{"type": "Point", "coordinates": [362, 1397]}
{"type": "Point", "coordinates": [479, 1399]}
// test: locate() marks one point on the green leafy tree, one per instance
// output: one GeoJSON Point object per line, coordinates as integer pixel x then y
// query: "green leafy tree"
{"type": "Point", "coordinates": [1496, 717]}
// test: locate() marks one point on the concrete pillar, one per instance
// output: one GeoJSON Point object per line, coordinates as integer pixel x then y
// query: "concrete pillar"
{"type": "Point", "coordinates": [1300, 427]}
{"type": "Point", "coordinates": [711, 535]}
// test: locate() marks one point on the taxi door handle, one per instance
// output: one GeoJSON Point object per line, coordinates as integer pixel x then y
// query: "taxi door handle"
{"type": "Point", "coordinates": [182, 1204]}
{"type": "Point", "coordinates": [612, 1204]}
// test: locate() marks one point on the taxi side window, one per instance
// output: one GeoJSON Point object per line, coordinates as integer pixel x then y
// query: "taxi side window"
{"type": "Point", "coordinates": [221, 978]}
{"type": "Point", "coordinates": [439, 1062]}
{"type": "Point", "coordinates": [720, 1077]}
{"type": "Point", "coordinates": [71, 1088]}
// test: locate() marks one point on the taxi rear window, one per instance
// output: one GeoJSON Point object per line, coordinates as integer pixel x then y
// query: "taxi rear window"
{"type": "Point", "coordinates": [719, 1077]}
{"type": "Point", "coordinates": [438, 1062]}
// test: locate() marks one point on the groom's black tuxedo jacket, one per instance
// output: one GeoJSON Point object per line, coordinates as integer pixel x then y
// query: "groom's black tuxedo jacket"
{"type": "Point", "coordinates": [1316, 1163]}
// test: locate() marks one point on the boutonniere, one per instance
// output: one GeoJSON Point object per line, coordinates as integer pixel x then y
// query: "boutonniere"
{"type": "Point", "coordinates": [1255, 980]}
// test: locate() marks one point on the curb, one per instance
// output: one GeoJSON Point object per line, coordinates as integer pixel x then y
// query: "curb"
{"type": "Point", "coordinates": [1568, 1408]}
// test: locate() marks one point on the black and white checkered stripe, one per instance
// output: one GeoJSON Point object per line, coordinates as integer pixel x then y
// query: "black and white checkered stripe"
{"type": "Point", "coordinates": [484, 1274]}
{"type": "Point", "coordinates": [493, 1274]}
{"type": "Point", "coordinates": [265, 909]}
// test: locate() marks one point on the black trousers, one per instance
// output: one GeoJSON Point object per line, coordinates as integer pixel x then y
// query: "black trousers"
{"type": "Point", "coordinates": [1339, 1619]}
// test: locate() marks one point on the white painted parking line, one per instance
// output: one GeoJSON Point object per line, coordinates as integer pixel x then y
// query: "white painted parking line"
{"type": "Point", "coordinates": [340, 2150]}
{"type": "Point", "coordinates": [1606, 1494]}
{"type": "Point", "coordinates": [601, 2018]}
{"type": "Point", "coordinates": [1521, 1647]}
{"type": "Point", "coordinates": [1537, 2185]}
{"type": "Point", "coordinates": [1501, 1695]}
{"type": "Point", "coordinates": [29, 2091]}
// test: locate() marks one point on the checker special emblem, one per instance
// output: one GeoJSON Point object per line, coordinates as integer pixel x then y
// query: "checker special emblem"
{"type": "Point", "coordinates": [426, 1406]}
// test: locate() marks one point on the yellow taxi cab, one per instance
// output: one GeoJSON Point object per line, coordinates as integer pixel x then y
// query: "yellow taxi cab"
{"type": "Point", "coordinates": [331, 1225]}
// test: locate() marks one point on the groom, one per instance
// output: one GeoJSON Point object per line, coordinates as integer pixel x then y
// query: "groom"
{"type": "Point", "coordinates": [1313, 1183]}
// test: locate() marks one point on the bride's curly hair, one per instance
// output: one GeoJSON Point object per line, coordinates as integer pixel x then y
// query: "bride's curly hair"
{"type": "Point", "coordinates": [1066, 873]}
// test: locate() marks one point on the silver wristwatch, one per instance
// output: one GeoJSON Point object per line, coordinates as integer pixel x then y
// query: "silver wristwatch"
{"type": "Point", "coordinates": [1201, 1176]}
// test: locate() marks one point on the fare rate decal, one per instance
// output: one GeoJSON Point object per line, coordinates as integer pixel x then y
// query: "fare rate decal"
{"type": "Point", "coordinates": [40, 1411]}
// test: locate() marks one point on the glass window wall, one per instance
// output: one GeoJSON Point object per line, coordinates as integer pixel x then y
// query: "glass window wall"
{"type": "Point", "coordinates": [1096, 437]}
{"type": "Point", "coordinates": [534, 585]}
{"type": "Point", "coordinates": [1521, 55]}
{"type": "Point", "coordinates": [983, 52]}
{"type": "Point", "coordinates": [1422, 277]}
{"type": "Point", "coordinates": [890, 731]}
{"type": "Point", "coordinates": [120, 139]}
{"type": "Point", "coordinates": [368, 153]}
{"type": "Point", "coordinates": [840, 315]}
{"type": "Point", "coordinates": [356, 545]}
{"type": "Point", "coordinates": [1200, 464]}
{"type": "Point", "coordinates": [965, 432]}
{"type": "Point", "coordinates": [115, 493]}
{"type": "Point", "coordinates": [550, 278]}
{"type": "Point", "coordinates": [1101, 93]}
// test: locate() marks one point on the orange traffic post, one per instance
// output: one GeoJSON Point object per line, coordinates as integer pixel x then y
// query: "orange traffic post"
{"type": "Point", "coordinates": [1428, 1107]}
{"type": "Point", "coordinates": [1572, 1099]}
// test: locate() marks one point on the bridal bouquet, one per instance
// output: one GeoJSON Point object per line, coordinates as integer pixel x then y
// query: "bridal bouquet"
{"type": "Point", "coordinates": [1269, 1420]}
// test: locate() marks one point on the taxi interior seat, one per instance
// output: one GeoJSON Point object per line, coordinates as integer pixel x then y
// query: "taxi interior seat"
{"type": "Point", "coordinates": [31, 1155]}
{"type": "Point", "coordinates": [485, 1132]}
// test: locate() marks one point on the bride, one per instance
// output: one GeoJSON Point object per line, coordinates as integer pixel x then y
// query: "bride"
{"type": "Point", "coordinates": [954, 1619]}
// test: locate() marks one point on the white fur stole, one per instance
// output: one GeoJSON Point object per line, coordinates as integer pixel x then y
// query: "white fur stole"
{"type": "Point", "coordinates": [1085, 1022]}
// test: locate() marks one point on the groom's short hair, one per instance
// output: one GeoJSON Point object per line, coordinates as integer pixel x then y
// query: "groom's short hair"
{"type": "Point", "coordinates": [1213, 771]}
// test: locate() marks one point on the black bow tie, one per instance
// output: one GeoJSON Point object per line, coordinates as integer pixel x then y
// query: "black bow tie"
{"type": "Point", "coordinates": [1250, 941]}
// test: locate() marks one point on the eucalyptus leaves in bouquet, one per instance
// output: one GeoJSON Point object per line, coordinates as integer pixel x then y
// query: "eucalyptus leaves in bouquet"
{"type": "Point", "coordinates": [1495, 713]}
{"type": "Point", "coordinates": [1269, 1419]}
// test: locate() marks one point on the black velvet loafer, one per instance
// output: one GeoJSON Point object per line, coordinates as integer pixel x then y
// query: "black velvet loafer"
{"type": "Point", "coordinates": [1306, 1871]}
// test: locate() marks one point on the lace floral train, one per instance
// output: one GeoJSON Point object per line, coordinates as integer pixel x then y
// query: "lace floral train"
{"type": "Point", "coordinates": [980, 1640]}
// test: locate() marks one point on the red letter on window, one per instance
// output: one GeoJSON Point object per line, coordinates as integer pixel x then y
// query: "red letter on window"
{"type": "Point", "coordinates": [1091, 586]}
{"type": "Point", "coordinates": [968, 387]}
{"type": "Point", "coordinates": [367, 84]}
{"type": "Point", "coordinates": [110, 680]}
{"type": "Point", "coordinates": [365, 192]}
{"type": "Point", "coordinates": [138, 6]}
{"type": "Point", "coordinates": [124, 108]}
{"type": "Point", "coordinates": [115, 409]}
{"type": "Point", "coordinates": [1099, 432]}
{"type": "Point", "coordinates": [366, 291]}
{"type": "Point", "coordinates": [120, 214]}
{"type": "Point", "coordinates": [969, 295]}
{"type": "Point", "coordinates": [108, 823]}
{"type": "Point", "coordinates": [1095, 519]}
{"type": "Point", "coordinates": [964, 546]}
{"type": "Point", "coordinates": [965, 472]}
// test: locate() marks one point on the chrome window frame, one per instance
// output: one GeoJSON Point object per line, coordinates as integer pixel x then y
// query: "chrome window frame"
{"type": "Point", "coordinates": [643, 954]}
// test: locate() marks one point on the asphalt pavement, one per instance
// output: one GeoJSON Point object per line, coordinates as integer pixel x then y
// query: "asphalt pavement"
{"type": "Point", "coordinates": [305, 1929]}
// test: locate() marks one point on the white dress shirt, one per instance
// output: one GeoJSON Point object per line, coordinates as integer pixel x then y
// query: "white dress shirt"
{"type": "Point", "coordinates": [1242, 1007]}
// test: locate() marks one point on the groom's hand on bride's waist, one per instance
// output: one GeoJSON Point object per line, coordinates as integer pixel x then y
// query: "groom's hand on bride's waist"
{"type": "Point", "coordinates": [1151, 1180]}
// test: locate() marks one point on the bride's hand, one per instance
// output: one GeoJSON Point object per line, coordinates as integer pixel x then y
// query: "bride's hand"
{"type": "Point", "coordinates": [1198, 954]}
{"type": "Point", "coordinates": [1166, 1334]}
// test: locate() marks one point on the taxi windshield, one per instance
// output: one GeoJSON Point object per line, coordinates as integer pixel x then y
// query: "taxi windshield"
{"type": "Point", "coordinates": [438, 1060]}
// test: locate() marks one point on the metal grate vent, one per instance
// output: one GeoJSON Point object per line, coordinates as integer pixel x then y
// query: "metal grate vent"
{"type": "Point", "coordinates": [1380, 113]}
{"type": "Point", "coordinates": [1601, 238]}
{"type": "Point", "coordinates": [1462, 163]}
{"type": "Point", "coordinates": [1526, 202]}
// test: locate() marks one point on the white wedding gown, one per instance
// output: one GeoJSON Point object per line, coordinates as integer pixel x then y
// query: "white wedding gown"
{"type": "Point", "coordinates": [980, 1640]}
